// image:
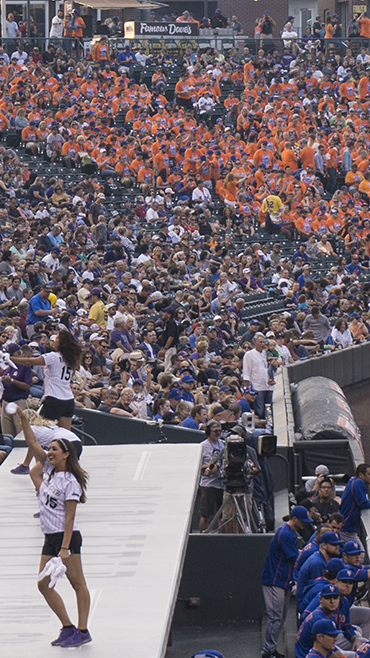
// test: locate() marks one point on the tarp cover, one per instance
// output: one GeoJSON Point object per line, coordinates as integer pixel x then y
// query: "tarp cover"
{"type": "Point", "coordinates": [321, 411]}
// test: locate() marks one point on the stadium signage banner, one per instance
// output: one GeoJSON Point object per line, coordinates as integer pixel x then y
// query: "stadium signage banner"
{"type": "Point", "coordinates": [148, 28]}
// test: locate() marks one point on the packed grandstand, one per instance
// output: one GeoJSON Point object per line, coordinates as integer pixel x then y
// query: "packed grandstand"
{"type": "Point", "coordinates": [176, 213]}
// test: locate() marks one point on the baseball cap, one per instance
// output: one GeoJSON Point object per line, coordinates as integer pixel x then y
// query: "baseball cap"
{"type": "Point", "coordinates": [95, 336]}
{"type": "Point", "coordinates": [352, 547]}
{"type": "Point", "coordinates": [217, 317]}
{"type": "Point", "coordinates": [330, 590]}
{"type": "Point", "coordinates": [330, 538]}
{"type": "Point", "coordinates": [187, 379]}
{"type": "Point", "coordinates": [138, 381]}
{"type": "Point", "coordinates": [224, 388]}
{"type": "Point", "coordinates": [174, 394]}
{"type": "Point", "coordinates": [250, 390]}
{"type": "Point", "coordinates": [334, 565]}
{"type": "Point", "coordinates": [94, 291]}
{"type": "Point", "coordinates": [110, 305]}
{"type": "Point", "coordinates": [300, 513]}
{"type": "Point", "coordinates": [169, 309]}
{"type": "Point", "coordinates": [13, 347]}
{"type": "Point", "coordinates": [254, 321]}
{"type": "Point", "coordinates": [345, 574]}
{"type": "Point", "coordinates": [325, 626]}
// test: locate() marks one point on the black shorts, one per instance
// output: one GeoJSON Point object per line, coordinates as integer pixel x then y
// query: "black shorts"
{"type": "Point", "coordinates": [53, 543]}
{"type": "Point", "coordinates": [53, 409]}
{"type": "Point", "coordinates": [211, 500]}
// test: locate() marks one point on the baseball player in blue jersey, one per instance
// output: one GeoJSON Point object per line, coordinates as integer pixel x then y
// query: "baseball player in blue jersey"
{"type": "Point", "coordinates": [360, 615]}
{"type": "Point", "coordinates": [329, 600]}
{"type": "Point", "coordinates": [354, 499]}
{"type": "Point", "coordinates": [324, 633]}
{"type": "Point", "coordinates": [328, 577]}
{"type": "Point", "coordinates": [315, 565]}
{"type": "Point", "coordinates": [277, 575]}
{"type": "Point", "coordinates": [364, 650]}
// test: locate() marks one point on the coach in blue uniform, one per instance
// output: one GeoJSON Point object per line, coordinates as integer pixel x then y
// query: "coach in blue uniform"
{"type": "Point", "coordinates": [354, 499]}
{"type": "Point", "coordinates": [277, 575]}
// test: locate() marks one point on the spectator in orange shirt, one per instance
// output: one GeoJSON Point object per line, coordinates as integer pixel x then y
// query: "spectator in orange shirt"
{"type": "Point", "coordinates": [29, 135]}
{"type": "Point", "coordinates": [289, 158]}
{"type": "Point", "coordinates": [364, 22]}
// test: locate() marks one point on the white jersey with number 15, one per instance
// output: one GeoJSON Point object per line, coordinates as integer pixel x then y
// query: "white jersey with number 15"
{"type": "Point", "coordinates": [57, 376]}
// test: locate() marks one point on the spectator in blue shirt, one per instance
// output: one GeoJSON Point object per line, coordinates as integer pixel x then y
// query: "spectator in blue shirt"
{"type": "Point", "coordinates": [38, 308]}
{"type": "Point", "coordinates": [187, 383]}
{"type": "Point", "coordinates": [247, 399]}
{"type": "Point", "coordinates": [354, 499]}
{"type": "Point", "coordinates": [300, 253]}
{"type": "Point", "coordinates": [277, 576]}
{"type": "Point", "coordinates": [198, 415]}
{"type": "Point", "coordinates": [126, 57]}
{"type": "Point", "coordinates": [354, 268]}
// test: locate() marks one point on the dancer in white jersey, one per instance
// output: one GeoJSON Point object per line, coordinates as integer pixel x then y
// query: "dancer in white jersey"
{"type": "Point", "coordinates": [60, 484]}
{"type": "Point", "coordinates": [58, 402]}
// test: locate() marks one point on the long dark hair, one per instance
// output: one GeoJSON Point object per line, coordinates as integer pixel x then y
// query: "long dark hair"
{"type": "Point", "coordinates": [73, 466]}
{"type": "Point", "coordinates": [70, 349]}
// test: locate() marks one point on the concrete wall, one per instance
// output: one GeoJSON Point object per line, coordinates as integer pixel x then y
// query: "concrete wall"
{"type": "Point", "coordinates": [348, 367]}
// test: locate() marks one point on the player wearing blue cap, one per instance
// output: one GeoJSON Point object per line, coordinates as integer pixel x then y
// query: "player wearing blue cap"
{"type": "Point", "coordinates": [329, 601]}
{"type": "Point", "coordinates": [324, 633]}
{"type": "Point", "coordinates": [354, 499]}
{"type": "Point", "coordinates": [350, 637]}
{"type": "Point", "coordinates": [277, 575]}
{"type": "Point", "coordinates": [315, 565]}
{"type": "Point", "coordinates": [360, 615]}
{"type": "Point", "coordinates": [329, 576]}
{"type": "Point", "coordinates": [311, 547]}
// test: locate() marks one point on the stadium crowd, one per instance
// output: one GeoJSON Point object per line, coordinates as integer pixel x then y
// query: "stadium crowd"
{"type": "Point", "coordinates": [154, 230]}
{"type": "Point", "coordinates": [194, 233]}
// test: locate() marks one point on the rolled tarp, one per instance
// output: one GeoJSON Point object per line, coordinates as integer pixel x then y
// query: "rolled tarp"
{"type": "Point", "coordinates": [321, 411]}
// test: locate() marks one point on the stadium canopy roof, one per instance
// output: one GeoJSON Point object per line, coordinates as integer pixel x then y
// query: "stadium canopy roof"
{"type": "Point", "coordinates": [121, 4]}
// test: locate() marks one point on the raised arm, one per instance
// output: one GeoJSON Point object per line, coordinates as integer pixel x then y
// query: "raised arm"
{"type": "Point", "coordinates": [30, 438]}
{"type": "Point", "coordinates": [29, 360]}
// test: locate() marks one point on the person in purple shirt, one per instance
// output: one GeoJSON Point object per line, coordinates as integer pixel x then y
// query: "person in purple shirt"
{"type": "Point", "coordinates": [17, 383]}
{"type": "Point", "coordinates": [277, 575]}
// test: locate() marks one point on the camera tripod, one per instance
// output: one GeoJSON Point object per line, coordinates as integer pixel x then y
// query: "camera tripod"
{"type": "Point", "coordinates": [234, 514]}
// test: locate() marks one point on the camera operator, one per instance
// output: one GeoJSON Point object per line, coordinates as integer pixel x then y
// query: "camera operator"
{"type": "Point", "coordinates": [210, 480]}
{"type": "Point", "coordinates": [245, 474]}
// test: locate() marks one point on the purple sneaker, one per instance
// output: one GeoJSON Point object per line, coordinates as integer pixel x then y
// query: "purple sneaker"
{"type": "Point", "coordinates": [77, 639]}
{"type": "Point", "coordinates": [64, 634]}
{"type": "Point", "coordinates": [36, 515]}
{"type": "Point", "coordinates": [20, 470]}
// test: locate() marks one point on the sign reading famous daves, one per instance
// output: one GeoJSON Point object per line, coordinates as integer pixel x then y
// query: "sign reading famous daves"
{"type": "Point", "coordinates": [147, 28]}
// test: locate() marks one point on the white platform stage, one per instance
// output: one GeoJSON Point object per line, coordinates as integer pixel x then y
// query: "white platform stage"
{"type": "Point", "coordinates": [135, 526]}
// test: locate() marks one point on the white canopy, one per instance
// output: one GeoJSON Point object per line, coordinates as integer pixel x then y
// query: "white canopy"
{"type": "Point", "coordinates": [120, 4]}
